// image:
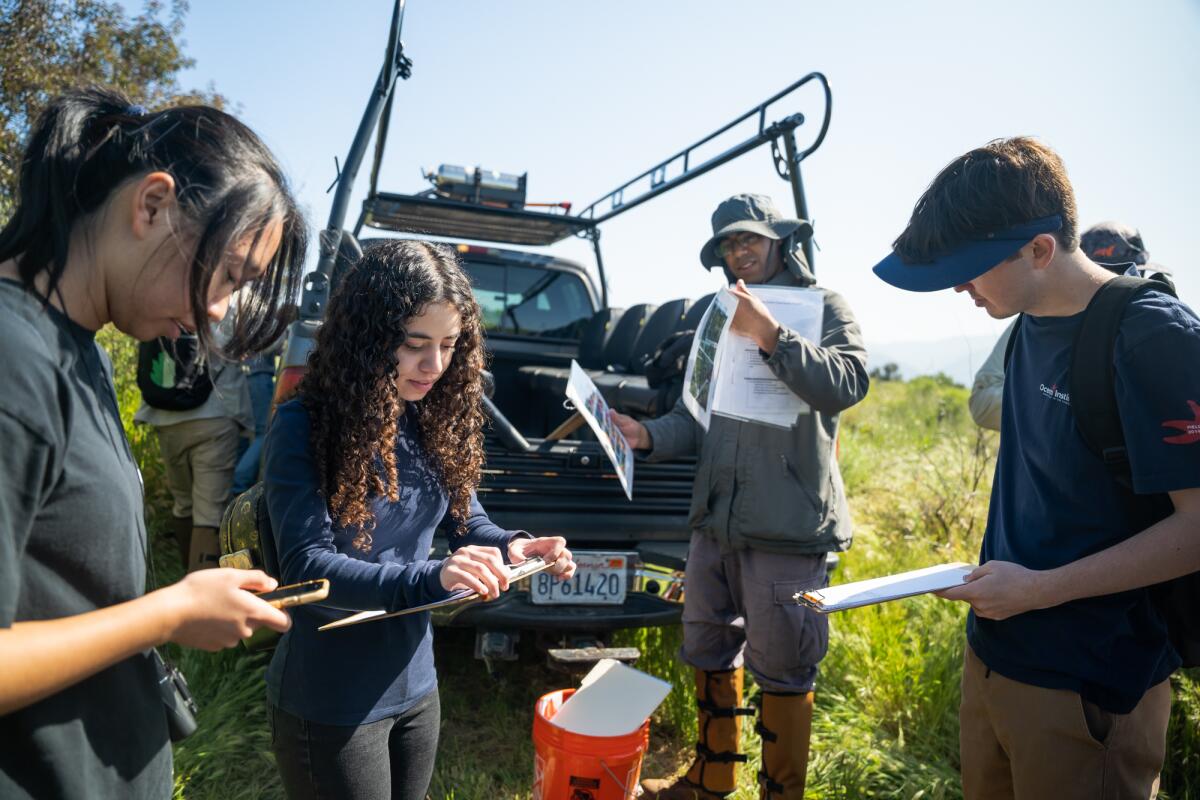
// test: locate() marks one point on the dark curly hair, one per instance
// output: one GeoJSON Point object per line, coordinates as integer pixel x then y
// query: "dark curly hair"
{"type": "Point", "coordinates": [1006, 182]}
{"type": "Point", "coordinates": [350, 387]}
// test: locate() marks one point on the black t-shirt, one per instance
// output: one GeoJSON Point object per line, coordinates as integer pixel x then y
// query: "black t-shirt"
{"type": "Point", "coordinates": [72, 539]}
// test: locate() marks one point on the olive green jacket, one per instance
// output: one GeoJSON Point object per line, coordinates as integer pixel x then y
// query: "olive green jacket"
{"type": "Point", "coordinates": [767, 488]}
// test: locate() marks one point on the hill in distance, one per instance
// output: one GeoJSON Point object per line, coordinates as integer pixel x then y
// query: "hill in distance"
{"type": "Point", "coordinates": [959, 357]}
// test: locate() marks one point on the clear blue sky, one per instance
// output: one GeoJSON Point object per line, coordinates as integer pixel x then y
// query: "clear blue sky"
{"type": "Point", "coordinates": [586, 95]}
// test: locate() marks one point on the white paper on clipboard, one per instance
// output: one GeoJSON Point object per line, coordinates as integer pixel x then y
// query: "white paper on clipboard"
{"type": "Point", "coordinates": [516, 572]}
{"type": "Point", "coordinates": [882, 590]}
{"type": "Point", "coordinates": [594, 409]}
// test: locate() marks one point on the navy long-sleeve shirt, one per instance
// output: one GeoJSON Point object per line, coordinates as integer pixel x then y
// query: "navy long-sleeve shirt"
{"type": "Point", "coordinates": [359, 674]}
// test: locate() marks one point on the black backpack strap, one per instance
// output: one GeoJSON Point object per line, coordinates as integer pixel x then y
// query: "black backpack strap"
{"type": "Point", "coordinates": [1148, 272]}
{"type": "Point", "coordinates": [266, 534]}
{"type": "Point", "coordinates": [1092, 377]}
{"type": "Point", "coordinates": [1012, 339]}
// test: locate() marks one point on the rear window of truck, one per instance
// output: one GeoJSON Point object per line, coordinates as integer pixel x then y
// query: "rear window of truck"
{"type": "Point", "coordinates": [527, 301]}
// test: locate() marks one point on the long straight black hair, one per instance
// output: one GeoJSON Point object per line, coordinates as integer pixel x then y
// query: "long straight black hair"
{"type": "Point", "coordinates": [89, 142]}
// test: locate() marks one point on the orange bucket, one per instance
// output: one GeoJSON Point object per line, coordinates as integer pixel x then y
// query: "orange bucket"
{"type": "Point", "coordinates": [574, 766]}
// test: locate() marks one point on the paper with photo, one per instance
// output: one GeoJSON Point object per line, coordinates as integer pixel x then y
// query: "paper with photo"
{"type": "Point", "coordinates": [881, 590]}
{"type": "Point", "coordinates": [699, 377]}
{"type": "Point", "coordinates": [725, 372]}
{"type": "Point", "coordinates": [591, 404]}
{"type": "Point", "coordinates": [746, 388]}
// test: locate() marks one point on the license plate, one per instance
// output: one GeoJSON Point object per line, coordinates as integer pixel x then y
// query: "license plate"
{"type": "Point", "coordinates": [599, 580]}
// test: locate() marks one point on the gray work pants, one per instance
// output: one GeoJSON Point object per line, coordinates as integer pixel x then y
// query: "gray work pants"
{"type": "Point", "coordinates": [738, 608]}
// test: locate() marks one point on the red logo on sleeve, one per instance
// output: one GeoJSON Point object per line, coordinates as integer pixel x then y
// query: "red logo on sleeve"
{"type": "Point", "coordinates": [1190, 427]}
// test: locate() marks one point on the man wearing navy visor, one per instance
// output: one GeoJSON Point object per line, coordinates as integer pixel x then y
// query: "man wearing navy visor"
{"type": "Point", "coordinates": [1064, 688]}
{"type": "Point", "coordinates": [1115, 246]}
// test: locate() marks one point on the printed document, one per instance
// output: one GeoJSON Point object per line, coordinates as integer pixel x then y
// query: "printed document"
{"type": "Point", "coordinates": [698, 377]}
{"type": "Point", "coordinates": [727, 375]}
{"type": "Point", "coordinates": [592, 406]}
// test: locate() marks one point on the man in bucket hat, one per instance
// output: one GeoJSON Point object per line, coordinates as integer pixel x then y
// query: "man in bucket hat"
{"type": "Point", "coordinates": [767, 506]}
{"type": "Point", "coordinates": [1064, 687]}
{"type": "Point", "coordinates": [750, 219]}
{"type": "Point", "coordinates": [1113, 245]}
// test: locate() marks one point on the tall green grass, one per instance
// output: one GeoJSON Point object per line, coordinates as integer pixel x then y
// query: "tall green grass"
{"type": "Point", "coordinates": [886, 724]}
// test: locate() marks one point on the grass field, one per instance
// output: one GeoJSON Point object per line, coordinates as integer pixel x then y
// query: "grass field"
{"type": "Point", "coordinates": [918, 474]}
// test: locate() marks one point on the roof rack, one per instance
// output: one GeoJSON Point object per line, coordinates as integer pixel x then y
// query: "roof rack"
{"type": "Point", "coordinates": [433, 216]}
{"type": "Point", "coordinates": [422, 213]}
{"type": "Point", "coordinates": [654, 181]}
{"type": "Point", "coordinates": [437, 216]}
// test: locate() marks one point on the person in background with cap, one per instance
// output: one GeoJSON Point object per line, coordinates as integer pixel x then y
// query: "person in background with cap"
{"type": "Point", "coordinates": [767, 506]}
{"type": "Point", "coordinates": [1064, 687]}
{"type": "Point", "coordinates": [198, 447]}
{"type": "Point", "coordinates": [1113, 245]}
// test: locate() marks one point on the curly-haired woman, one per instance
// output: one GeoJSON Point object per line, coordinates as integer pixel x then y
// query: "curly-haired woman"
{"type": "Point", "coordinates": [383, 445]}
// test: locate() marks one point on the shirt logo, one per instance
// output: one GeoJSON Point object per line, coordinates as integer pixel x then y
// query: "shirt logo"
{"type": "Point", "coordinates": [1052, 393]}
{"type": "Point", "coordinates": [1190, 427]}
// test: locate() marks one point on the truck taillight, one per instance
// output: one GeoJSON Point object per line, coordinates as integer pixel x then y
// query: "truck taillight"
{"type": "Point", "coordinates": [286, 383]}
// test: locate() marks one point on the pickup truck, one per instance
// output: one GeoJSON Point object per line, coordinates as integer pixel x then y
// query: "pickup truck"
{"type": "Point", "coordinates": [544, 472]}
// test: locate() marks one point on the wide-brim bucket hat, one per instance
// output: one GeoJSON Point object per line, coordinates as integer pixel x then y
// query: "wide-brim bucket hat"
{"type": "Point", "coordinates": [754, 213]}
{"type": "Point", "coordinates": [964, 262]}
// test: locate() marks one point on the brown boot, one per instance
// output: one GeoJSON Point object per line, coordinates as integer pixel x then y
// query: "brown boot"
{"type": "Point", "coordinates": [786, 728]}
{"type": "Point", "coordinates": [712, 774]}
{"type": "Point", "coordinates": [205, 548]}
{"type": "Point", "coordinates": [181, 532]}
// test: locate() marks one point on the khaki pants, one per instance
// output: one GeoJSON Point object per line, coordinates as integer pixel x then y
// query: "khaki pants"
{"type": "Point", "coordinates": [199, 456]}
{"type": "Point", "coordinates": [1025, 742]}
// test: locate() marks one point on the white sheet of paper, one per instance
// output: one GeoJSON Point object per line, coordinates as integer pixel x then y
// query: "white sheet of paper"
{"type": "Point", "coordinates": [802, 310]}
{"type": "Point", "coordinates": [699, 378]}
{"type": "Point", "coordinates": [747, 389]}
{"type": "Point", "coordinates": [516, 572]}
{"type": "Point", "coordinates": [891, 587]}
{"type": "Point", "coordinates": [591, 404]}
{"type": "Point", "coordinates": [613, 700]}
{"type": "Point", "coordinates": [354, 619]}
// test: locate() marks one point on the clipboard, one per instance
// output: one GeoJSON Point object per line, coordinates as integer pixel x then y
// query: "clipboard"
{"type": "Point", "coordinates": [517, 572]}
{"type": "Point", "coordinates": [882, 590]}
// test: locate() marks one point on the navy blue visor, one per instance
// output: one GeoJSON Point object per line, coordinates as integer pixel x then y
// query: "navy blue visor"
{"type": "Point", "coordinates": [965, 262]}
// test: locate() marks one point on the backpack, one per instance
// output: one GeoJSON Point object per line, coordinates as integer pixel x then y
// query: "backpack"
{"type": "Point", "coordinates": [1094, 406]}
{"type": "Point", "coordinates": [665, 367]}
{"type": "Point", "coordinates": [248, 542]}
{"type": "Point", "coordinates": [171, 375]}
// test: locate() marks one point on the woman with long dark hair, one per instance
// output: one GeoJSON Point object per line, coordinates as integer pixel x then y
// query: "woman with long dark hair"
{"type": "Point", "coordinates": [149, 221]}
{"type": "Point", "coordinates": [383, 445]}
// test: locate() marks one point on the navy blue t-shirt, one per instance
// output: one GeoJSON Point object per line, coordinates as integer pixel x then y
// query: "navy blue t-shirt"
{"type": "Point", "coordinates": [1054, 502]}
{"type": "Point", "coordinates": [362, 673]}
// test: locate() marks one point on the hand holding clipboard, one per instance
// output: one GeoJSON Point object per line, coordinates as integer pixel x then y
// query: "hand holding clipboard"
{"type": "Point", "coordinates": [516, 572]}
